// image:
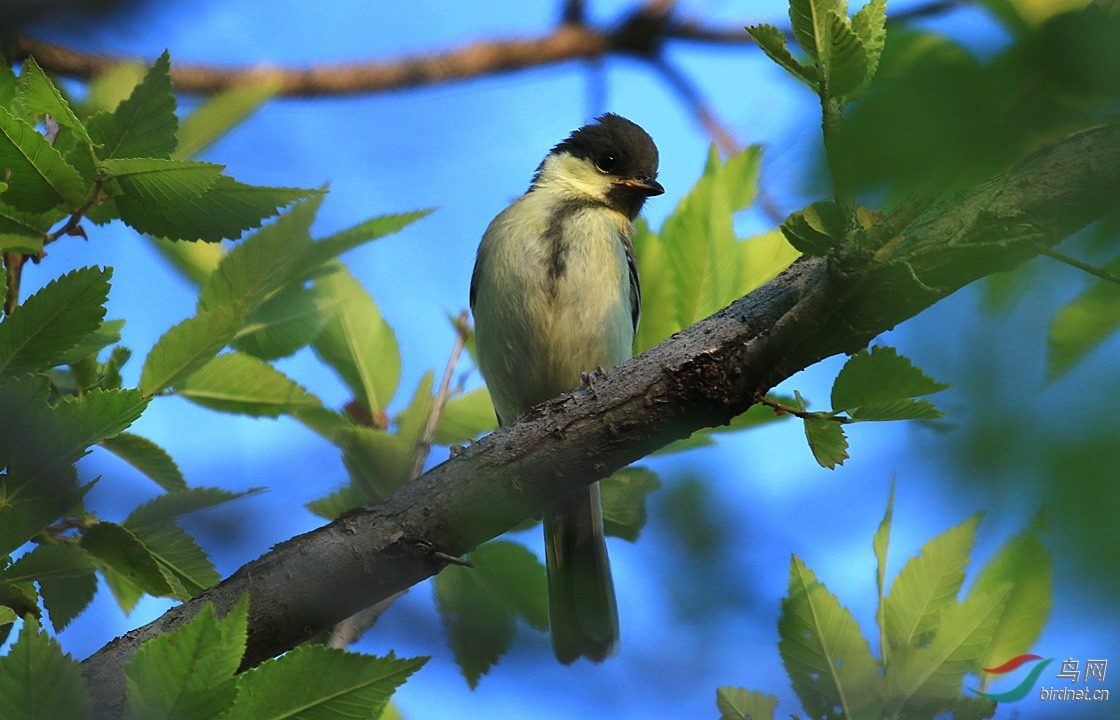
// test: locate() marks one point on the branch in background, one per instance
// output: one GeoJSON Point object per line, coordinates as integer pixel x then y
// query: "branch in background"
{"type": "Point", "coordinates": [701, 377]}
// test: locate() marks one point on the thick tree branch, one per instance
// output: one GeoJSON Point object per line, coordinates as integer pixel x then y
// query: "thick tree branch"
{"type": "Point", "coordinates": [701, 377]}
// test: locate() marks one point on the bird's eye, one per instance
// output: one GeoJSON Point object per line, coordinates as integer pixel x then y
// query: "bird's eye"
{"type": "Point", "coordinates": [606, 162]}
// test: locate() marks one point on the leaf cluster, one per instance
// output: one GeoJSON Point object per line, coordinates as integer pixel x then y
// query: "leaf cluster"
{"type": "Point", "coordinates": [929, 639]}
{"type": "Point", "coordinates": [191, 674]}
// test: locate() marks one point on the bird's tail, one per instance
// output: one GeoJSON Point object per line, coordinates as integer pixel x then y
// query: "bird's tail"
{"type": "Point", "coordinates": [582, 611]}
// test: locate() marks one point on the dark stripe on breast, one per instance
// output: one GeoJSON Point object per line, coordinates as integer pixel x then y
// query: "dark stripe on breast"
{"type": "Point", "coordinates": [558, 246]}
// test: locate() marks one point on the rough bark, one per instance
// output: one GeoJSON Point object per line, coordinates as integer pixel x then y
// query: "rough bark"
{"type": "Point", "coordinates": [701, 377]}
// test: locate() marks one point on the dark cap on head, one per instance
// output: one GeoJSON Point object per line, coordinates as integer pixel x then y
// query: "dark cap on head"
{"type": "Point", "coordinates": [623, 150]}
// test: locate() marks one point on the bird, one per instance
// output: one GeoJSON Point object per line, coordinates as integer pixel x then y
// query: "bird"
{"type": "Point", "coordinates": [556, 298]}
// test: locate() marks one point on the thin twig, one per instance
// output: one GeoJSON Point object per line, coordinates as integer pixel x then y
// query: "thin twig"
{"type": "Point", "coordinates": [424, 446]}
{"type": "Point", "coordinates": [1074, 262]}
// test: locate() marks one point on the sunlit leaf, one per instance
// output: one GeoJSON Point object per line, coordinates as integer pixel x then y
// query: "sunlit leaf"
{"type": "Point", "coordinates": [826, 657]}
{"type": "Point", "coordinates": [347, 685]}
{"type": "Point", "coordinates": [144, 124]}
{"type": "Point", "coordinates": [223, 111]}
{"type": "Point", "coordinates": [188, 346]}
{"type": "Point", "coordinates": [39, 682]}
{"type": "Point", "coordinates": [928, 583]}
{"type": "Point", "coordinates": [1083, 324]}
{"type": "Point", "coordinates": [53, 320]}
{"type": "Point", "coordinates": [736, 703]}
{"type": "Point", "coordinates": [238, 383]}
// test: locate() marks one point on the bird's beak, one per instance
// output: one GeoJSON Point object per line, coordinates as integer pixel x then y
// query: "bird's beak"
{"type": "Point", "coordinates": [646, 186]}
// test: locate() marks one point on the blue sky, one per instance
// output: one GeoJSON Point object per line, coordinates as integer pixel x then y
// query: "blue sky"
{"type": "Point", "coordinates": [468, 149]}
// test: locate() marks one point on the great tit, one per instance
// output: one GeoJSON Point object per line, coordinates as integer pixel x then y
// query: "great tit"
{"type": "Point", "coordinates": [555, 295]}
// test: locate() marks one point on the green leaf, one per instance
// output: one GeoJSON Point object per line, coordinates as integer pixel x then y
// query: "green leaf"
{"type": "Point", "coordinates": [624, 501]}
{"type": "Point", "coordinates": [284, 323]}
{"type": "Point", "coordinates": [65, 574]}
{"type": "Point", "coordinates": [817, 229]}
{"type": "Point", "coordinates": [223, 211]}
{"type": "Point", "coordinates": [144, 124]}
{"type": "Point", "coordinates": [222, 111]}
{"type": "Point", "coordinates": [1083, 324]}
{"type": "Point", "coordinates": [108, 333]}
{"type": "Point", "coordinates": [148, 458]}
{"type": "Point", "coordinates": [736, 703]}
{"type": "Point", "coordinates": [357, 342]}
{"type": "Point", "coordinates": [239, 383]}
{"type": "Point", "coordinates": [120, 551]}
{"type": "Point", "coordinates": [53, 320]}
{"type": "Point", "coordinates": [465, 417]}
{"type": "Point", "coordinates": [412, 420]}
{"type": "Point", "coordinates": [95, 416]}
{"type": "Point", "coordinates": [378, 462]}
{"type": "Point", "coordinates": [188, 346]}
{"type": "Point", "coordinates": [827, 441]}
{"type": "Point", "coordinates": [928, 583]}
{"type": "Point", "coordinates": [346, 685]}
{"type": "Point", "coordinates": [870, 24]}
{"type": "Point", "coordinates": [772, 41]}
{"type": "Point", "coordinates": [848, 66]}
{"type": "Point", "coordinates": [332, 246]}
{"type": "Point", "coordinates": [40, 179]}
{"type": "Point", "coordinates": [827, 659]}
{"type": "Point", "coordinates": [880, 544]}
{"type": "Point", "coordinates": [169, 506]}
{"type": "Point", "coordinates": [871, 383]}
{"type": "Point", "coordinates": [179, 557]}
{"type": "Point", "coordinates": [925, 680]}
{"type": "Point", "coordinates": [151, 182]}
{"type": "Point", "coordinates": [40, 96]}
{"type": "Point", "coordinates": [809, 21]}
{"type": "Point", "coordinates": [896, 410]}
{"type": "Point", "coordinates": [264, 263]}
{"type": "Point", "coordinates": [338, 502]}
{"type": "Point", "coordinates": [23, 231]}
{"type": "Point", "coordinates": [480, 605]}
{"type": "Point", "coordinates": [1023, 565]}
{"type": "Point", "coordinates": [189, 673]}
{"type": "Point", "coordinates": [39, 682]}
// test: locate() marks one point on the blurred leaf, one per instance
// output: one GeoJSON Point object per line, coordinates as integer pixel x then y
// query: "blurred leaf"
{"type": "Point", "coordinates": [194, 260]}
{"type": "Point", "coordinates": [332, 506]}
{"type": "Point", "coordinates": [761, 258]}
{"type": "Point", "coordinates": [282, 324]}
{"type": "Point", "coordinates": [871, 384]}
{"type": "Point", "coordinates": [465, 417]}
{"type": "Point", "coordinates": [65, 574]}
{"type": "Point", "coordinates": [828, 661]}
{"type": "Point", "coordinates": [238, 383]}
{"type": "Point", "coordinates": [221, 112]}
{"type": "Point", "coordinates": [925, 680]}
{"type": "Point", "coordinates": [120, 551]}
{"type": "Point", "coordinates": [378, 462]}
{"type": "Point", "coordinates": [480, 605]}
{"type": "Point", "coordinates": [39, 682]}
{"type": "Point", "coordinates": [144, 124]}
{"type": "Point", "coordinates": [736, 703]}
{"type": "Point", "coordinates": [40, 179]}
{"type": "Point", "coordinates": [188, 346]}
{"type": "Point", "coordinates": [1083, 324]}
{"type": "Point", "coordinates": [23, 231]}
{"type": "Point", "coordinates": [189, 673]}
{"type": "Point", "coordinates": [53, 320]}
{"type": "Point", "coordinates": [169, 506]}
{"type": "Point", "coordinates": [357, 343]}
{"type": "Point", "coordinates": [148, 458]}
{"type": "Point", "coordinates": [880, 543]}
{"type": "Point", "coordinates": [624, 501]}
{"type": "Point", "coordinates": [410, 422]}
{"type": "Point", "coordinates": [772, 41]}
{"type": "Point", "coordinates": [1023, 565]}
{"type": "Point", "coordinates": [816, 229]}
{"type": "Point", "coordinates": [926, 585]}
{"type": "Point", "coordinates": [347, 685]}
{"type": "Point", "coordinates": [757, 414]}
{"type": "Point", "coordinates": [41, 97]}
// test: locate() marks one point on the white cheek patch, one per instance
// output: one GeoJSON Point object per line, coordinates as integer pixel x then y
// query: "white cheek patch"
{"type": "Point", "coordinates": [578, 176]}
